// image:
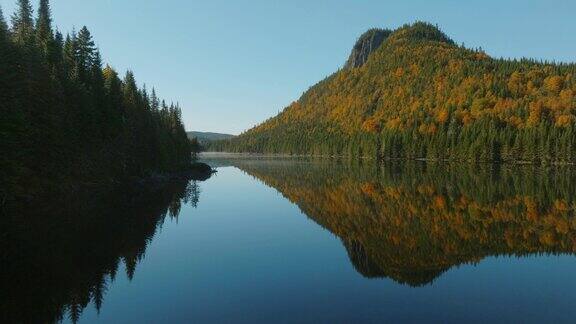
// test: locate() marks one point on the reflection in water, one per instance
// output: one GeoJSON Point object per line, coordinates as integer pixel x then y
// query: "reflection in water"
{"type": "Point", "coordinates": [413, 221]}
{"type": "Point", "coordinates": [58, 262]}
{"type": "Point", "coordinates": [410, 222]}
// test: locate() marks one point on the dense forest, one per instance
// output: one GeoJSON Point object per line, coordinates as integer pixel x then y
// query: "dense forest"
{"type": "Point", "coordinates": [412, 221]}
{"type": "Point", "coordinates": [66, 119]}
{"type": "Point", "coordinates": [414, 93]}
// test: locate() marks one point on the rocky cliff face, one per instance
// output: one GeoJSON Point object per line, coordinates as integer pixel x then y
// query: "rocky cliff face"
{"type": "Point", "coordinates": [366, 44]}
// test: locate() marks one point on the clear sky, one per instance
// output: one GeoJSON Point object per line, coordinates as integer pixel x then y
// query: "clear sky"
{"type": "Point", "coordinates": [232, 64]}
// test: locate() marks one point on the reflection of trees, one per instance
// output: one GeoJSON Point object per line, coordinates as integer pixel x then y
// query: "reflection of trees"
{"type": "Point", "coordinates": [60, 261]}
{"type": "Point", "coordinates": [411, 222]}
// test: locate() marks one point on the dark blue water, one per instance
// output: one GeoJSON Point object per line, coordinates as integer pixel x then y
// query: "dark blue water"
{"type": "Point", "coordinates": [262, 244]}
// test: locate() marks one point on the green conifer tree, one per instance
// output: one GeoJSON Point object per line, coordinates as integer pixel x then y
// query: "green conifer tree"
{"type": "Point", "coordinates": [22, 23]}
{"type": "Point", "coordinates": [44, 32]}
{"type": "Point", "coordinates": [85, 51]}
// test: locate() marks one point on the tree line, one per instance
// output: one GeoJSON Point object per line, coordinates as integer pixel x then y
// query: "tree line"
{"type": "Point", "coordinates": [65, 118]}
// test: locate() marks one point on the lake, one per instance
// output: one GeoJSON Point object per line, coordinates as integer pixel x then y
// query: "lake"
{"type": "Point", "coordinates": [304, 240]}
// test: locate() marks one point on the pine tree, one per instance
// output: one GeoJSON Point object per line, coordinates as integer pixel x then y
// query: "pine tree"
{"type": "Point", "coordinates": [69, 57]}
{"type": "Point", "coordinates": [22, 23]}
{"type": "Point", "coordinates": [12, 122]}
{"type": "Point", "coordinates": [145, 97]}
{"type": "Point", "coordinates": [113, 105]}
{"type": "Point", "coordinates": [98, 93]}
{"type": "Point", "coordinates": [3, 26]}
{"type": "Point", "coordinates": [85, 51]}
{"type": "Point", "coordinates": [130, 91]}
{"type": "Point", "coordinates": [154, 103]}
{"type": "Point", "coordinates": [44, 32]}
{"type": "Point", "coordinates": [58, 52]}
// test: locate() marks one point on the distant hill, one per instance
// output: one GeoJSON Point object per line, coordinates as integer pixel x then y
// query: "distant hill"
{"type": "Point", "coordinates": [206, 137]}
{"type": "Point", "coordinates": [414, 93]}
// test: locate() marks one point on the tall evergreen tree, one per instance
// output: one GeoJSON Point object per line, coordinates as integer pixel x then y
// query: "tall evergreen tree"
{"type": "Point", "coordinates": [3, 25]}
{"type": "Point", "coordinates": [13, 124]}
{"type": "Point", "coordinates": [154, 103]}
{"type": "Point", "coordinates": [113, 105]}
{"type": "Point", "coordinates": [8, 85]}
{"type": "Point", "coordinates": [58, 51]}
{"type": "Point", "coordinates": [97, 93]}
{"type": "Point", "coordinates": [69, 57]}
{"type": "Point", "coordinates": [85, 51]}
{"type": "Point", "coordinates": [44, 32]}
{"type": "Point", "coordinates": [22, 23]}
{"type": "Point", "coordinates": [130, 91]}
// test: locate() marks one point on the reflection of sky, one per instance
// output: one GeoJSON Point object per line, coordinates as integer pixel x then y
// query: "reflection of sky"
{"type": "Point", "coordinates": [247, 254]}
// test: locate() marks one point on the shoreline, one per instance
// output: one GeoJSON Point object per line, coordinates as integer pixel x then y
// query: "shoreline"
{"type": "Point", "coordinates": [228, 155]}
{"type": "Point", "coordinates": [197, 171]}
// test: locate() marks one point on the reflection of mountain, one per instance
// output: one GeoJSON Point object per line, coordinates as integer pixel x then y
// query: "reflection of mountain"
{"type": "Point", "coordinates": [59, 261]}
{"type": "Point", "coordinates": [412, 222]}
{"type": "Point", "coordinates": [367, 267]}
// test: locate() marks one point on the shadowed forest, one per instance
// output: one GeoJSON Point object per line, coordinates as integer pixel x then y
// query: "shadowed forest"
{"type": "Point", "coordinates": [67, 119]}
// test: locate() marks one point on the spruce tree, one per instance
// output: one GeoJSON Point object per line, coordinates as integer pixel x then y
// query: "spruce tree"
{"type": "Point", "coordinates": [145, 97]}
{"type": "Point", "coordinates": [13, 132]}
{"type": "Point", "coordinates": [98, 93]}
{"type": "Point", "coordinates": [69, 57]}
{"type": "Point", "coordinates": [58, 49]}
{"type": "Point", "coordinates": [154, 103]}
{"type": "Point", "coordinates": [44, 32]}
{"type": "Point", "coordinates": [3, 28]}
{"type": "Point", "coordinates": [85, 50]}
{"type": "Point", "coordinates": [130, 91]}
{"type": "Point", "coordinates": [44, 20]}
{"type": "Point", "coordinates": [22, 23]}
{"type": "Point", "coordinates": [113, 104]}
{"type": "Point", "coordinates": [8, 75]}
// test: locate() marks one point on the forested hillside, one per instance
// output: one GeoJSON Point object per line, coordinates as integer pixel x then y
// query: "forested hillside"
{"type": "Point", "coordinates": [206, 137]}
{"type": "Point", "coordinates": [65, 119]}
{"type": "Point", "coordinates": [414, 93]}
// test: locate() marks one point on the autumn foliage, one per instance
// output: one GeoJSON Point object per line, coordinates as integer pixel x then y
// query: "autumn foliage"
{"type": "Point", "coordinates": [419, 95]}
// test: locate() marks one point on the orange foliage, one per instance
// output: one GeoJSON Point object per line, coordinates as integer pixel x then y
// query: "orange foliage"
{"type": "Point", "coordinates": [535, 113]}
{"type": "Point", "coordinates": [442, 116]}
{"type": "Point", "coordinates": [371, 126]}
{"type": "Point", "coordinates": [426, 84]}
{"type": "Point", "coordinates": [564, 120]}
{"type": "Point", "coordinates": [554, 83]}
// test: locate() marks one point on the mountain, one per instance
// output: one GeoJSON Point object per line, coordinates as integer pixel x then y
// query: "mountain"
{"type": "Point", "coordinates": [414, 93]}
{"type": "Point", "coordinates": [366, 44]}
{"type": "Point", "coordinates": [206, 137]}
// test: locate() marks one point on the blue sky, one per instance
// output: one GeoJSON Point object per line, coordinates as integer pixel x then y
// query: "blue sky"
{"type": "Point", "coordinates": [232, 64]}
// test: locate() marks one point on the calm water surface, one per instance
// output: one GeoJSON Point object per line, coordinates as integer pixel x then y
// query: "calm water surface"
{"type": "Point", "coordinates": [307, 241]}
